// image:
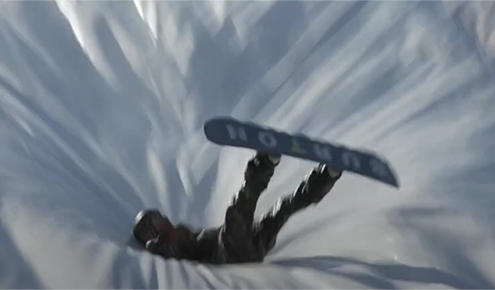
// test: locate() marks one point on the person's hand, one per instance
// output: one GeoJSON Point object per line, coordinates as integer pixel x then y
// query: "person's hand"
{"type": "Point", "coordinates": [152, 245]}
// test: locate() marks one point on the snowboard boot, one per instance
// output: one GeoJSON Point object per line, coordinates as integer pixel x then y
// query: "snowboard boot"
{"type": "Point", "coordinates": [260, 170]}
{"type": "Point", "coordinates": [316, 185]}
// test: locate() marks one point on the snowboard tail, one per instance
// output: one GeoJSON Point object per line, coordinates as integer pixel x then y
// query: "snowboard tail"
{"type": "Point", "coordinates": [227, 131]}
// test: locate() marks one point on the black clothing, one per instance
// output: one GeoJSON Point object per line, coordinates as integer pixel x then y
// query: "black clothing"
{"type": "Point", "coordinates": [240, 239]}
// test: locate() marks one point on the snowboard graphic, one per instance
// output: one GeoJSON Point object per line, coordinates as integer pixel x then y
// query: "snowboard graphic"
{"type": "Point", "coordinates": [227, 131]}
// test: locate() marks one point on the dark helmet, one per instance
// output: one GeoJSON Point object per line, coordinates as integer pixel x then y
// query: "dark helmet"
{"type": "Point", "coordinates": [142, 223]}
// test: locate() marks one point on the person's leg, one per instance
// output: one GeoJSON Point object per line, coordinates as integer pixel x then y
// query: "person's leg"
{"type": "Point", "coordinates": [310, 191]}
{"type": "Point", "coordinates": [236, 232]}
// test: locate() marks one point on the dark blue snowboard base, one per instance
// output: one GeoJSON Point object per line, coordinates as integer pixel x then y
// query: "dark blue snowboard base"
{"type": "Point", "coordinates": [227, 131]}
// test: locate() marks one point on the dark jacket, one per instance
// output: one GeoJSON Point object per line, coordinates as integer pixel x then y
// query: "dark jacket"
{"type": "Point", "coordinates": [238, 240]}
{"type": "Point", "coordinates": [215, 246]}
{"type": "Point", "coordinates": [197, 246]}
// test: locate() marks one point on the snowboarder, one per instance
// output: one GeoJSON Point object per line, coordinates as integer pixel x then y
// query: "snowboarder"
{"type": "Point", "coordinates": [239, 239]}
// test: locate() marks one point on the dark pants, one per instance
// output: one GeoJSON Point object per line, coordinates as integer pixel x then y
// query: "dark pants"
{"type": "Point", "coordinates": [242, 239]}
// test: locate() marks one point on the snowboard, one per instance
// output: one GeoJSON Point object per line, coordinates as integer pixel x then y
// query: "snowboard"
{"type": "Point", "coordinates": [228, 131]}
